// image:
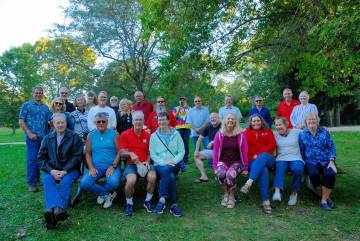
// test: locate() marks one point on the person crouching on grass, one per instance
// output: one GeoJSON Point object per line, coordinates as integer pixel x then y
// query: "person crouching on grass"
{"type": "Point", "coordinates": [60, 156]}
{"type": "Point", "coordinates": [230, 157]}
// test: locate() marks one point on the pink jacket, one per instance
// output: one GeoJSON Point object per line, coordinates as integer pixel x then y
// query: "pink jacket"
{"type": "Point", "coordinates": [243, 147]}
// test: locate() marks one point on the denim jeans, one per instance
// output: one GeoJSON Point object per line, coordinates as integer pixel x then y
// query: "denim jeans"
{"type": "Point", "coordinates": [185, 136]}
{"type": "Point", "coordinates": [205, 141]}
{"type": "Point", "coordinates": [58, 194]}
{"type": "Point", "coordinates": [297, 171]}
{"type": "Point", "coordinates": [32, 166]}
{"type": "Point", "coordinates": [167, 181]}
{"type": "Point", "coordinates": [259, 169]}
{"type": "Point", "coordinates": [88, 182]}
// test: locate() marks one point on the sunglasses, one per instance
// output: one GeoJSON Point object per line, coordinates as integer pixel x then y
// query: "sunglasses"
{"type": "Point", "coordinates": [64, 93]}
{"type": "Point", "coordinates": [258, 100]}
{"type": "Point", "coordinates": [161, 101]}
{"type": "Point", "coordinates": [101, 122]}
{"type": "Point", "coordinates": [197, 101]}
{"type": "Point", "coordinates": [58, 103]}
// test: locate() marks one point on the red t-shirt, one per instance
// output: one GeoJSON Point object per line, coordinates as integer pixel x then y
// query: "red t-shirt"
{"type": "Point", "coordinates": [260, 141]}
{"type": "Point", "coordinates": [152, 122]}
{"type": "Point", "coordinates": [146, 108]}
{"type": "Point", "coordinates": [285, 110]}
{"type": "Point", "coordinates": [137, 144]}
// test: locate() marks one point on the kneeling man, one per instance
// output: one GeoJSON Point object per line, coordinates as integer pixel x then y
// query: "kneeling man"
{"type": "Point", "coordinates": [60, 157]}
{"type": "Point", "coordinates": [134, 143]}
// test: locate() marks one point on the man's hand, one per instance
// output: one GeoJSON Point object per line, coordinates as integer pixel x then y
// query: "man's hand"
{"type": "Point", "coordinates": [210, 145]}
{"type": "Point", "coordinates": [255, 156]}
{"type": "Point", "coordinates": [93, 172]}
{"type": "Point", "coordinates": [32, 136]}
{"type": "Point", "coordinates": [134, 157]}
{"type": "Point", "coordinates": [56, 174]}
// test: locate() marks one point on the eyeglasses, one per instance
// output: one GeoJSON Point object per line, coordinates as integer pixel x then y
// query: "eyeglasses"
{"type": "Point", "coordinates": [197, 100]}
{"type": "Point", "coordinates": [161, 101]}
{"type": "Point", "coordinates": [58, 103]}
{"type": "Point", "coordinates": [64, 93]}
{"type": "Point", "coordinates": [258, 100]}
{"type": "Point", "coordinates": [101, 122]}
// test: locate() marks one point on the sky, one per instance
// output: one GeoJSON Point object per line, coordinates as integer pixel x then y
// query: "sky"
{"type": "Point", "coordinates": [26, 21]}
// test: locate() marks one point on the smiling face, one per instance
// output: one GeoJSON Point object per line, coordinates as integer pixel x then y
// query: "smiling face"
{"type": "Point", "coordinates": [228, 101]}
{"type": "Point", "coordinates": [139, 97]}
{"type": "Point", "coordinates": [80, 102]}
{"type": "Point", "coordinates": [197, 101]}
{"type": "Point", "coordinates": [230, 122]}
{"type": "Point", "coordinates": [59, 123]}
{"type": "Point", "coordinates": [138, 121]}
{"type": "Point", "coordinates": [125, 107]}
{"type": "Point", "coordinates": [312, 121]}
{"type": "Point", "coordinates": [38, 95]}
{"type": "Point", "coordinates": [90, 99]}
{"type": "Point", "coordinates": [58, 105]}
{"type": "Point", "coordinates": [101, 123]}
{"type": "Point", "coordinates": [259, 103]}
{"type": "Point", "coordinates": [304, 98]}
{"type": "Point", "coordinates": [102, 99]}
{"type": "Point", "coordinates": [287, 93]}
{"type": "Point", "coordinates": [64, 93]}
{"type": "Point", "coordinates": [214, 119]}
{"type": "Point", "coordinates": [256, 123]}
{"type": "Point", "coordinates": [163, 122]}
{"type": "Point", "coordinates": [114, 102]}
{"type": "Point", "coordinates": [280, 127]}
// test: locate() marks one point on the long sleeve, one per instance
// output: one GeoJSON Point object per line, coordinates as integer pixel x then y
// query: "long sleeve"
{"type": "Point", "coordinates": [154, 144]}
{"type": "Point", "coordinates": [293, 116]}
{"type": "Point", "coordinates": [244, 151]}
{"type": "Point", "coordinates": [76, 154]}
{"type": "Point", "coordinates": [180, 146]}
{"type": "Point", "coordinates": [270, 146]}
{"type": "Point", "coordinates": [43, 156]}
{"type": "Point", "coordinates": [331, 145]}
{"type": "Point", "coordinates": [216, 150]}
{"type": "Point", "coordinates": [91, 119]}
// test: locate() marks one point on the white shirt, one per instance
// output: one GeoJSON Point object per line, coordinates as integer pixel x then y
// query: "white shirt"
{"type": "Point", "coordinates": [288, 148]}
{"type": "Point", "coordinates": [97, 109]}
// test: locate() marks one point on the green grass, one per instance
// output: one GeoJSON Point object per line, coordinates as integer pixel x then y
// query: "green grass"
{"type": "Point", "coordinates": [7, 136]}
{"type": "Point", "coordinates": [204, 218]}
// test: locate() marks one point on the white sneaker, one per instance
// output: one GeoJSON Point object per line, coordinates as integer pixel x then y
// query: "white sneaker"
{"type": "Point", "coordinates": [276, 196]}
{"type": "Point", "coordinates": [101, 199]}
{"type": "Point", "coordinates": [224, 201]}
{"type": "Point", "coordinates": [292, 200]}
{"type": "Point", "coordinates": [109, 199]}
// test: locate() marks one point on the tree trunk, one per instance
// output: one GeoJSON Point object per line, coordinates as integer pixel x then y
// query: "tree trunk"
{"type": "Point", "coordinates": [337, 114]}
{"type": "Point", "coordinates": [329, 117]}
{"type": "Point", "coordinates": [13, 129]}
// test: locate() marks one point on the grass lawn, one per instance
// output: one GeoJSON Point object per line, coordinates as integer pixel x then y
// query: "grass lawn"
{"type": "Point", "coordinates": [204, 218]}
{"type": "Point", "coordinates": [7, 136]}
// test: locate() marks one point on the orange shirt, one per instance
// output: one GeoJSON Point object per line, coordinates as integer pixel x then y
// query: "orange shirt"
{"type": "Point", "coordinates": [137, 144]}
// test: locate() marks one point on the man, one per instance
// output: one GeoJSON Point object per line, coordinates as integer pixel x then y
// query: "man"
{"type": "Point", "coordinates": [286, 106]}
{"type": "Point", "coordinates": [64, 94]}
{"type": "Point", "coordinates": [207, 154]}
{"type": "Point", "coordinates": [33, 119]}
{"type": "Point", "coordinates": [141, 104]}
{"type": "Point", "coordinates": [114, 104]}
{"type": "Point", "coordinates": [152, 122]}
{"type": "Point", "coordinates": [229, 108]}
{"type": "Point", "coordinates": [261, 110]}
{"type": "Point", "coordinates": [60, 156]}
{"type": "Point", "coordinates": [183, 128]}
{"type": "Point", "coordinates": [198, 118]}
{"type": "Point", "coordinates": [101, 107]}
{"type": "Point", "coordinates": [134, 143]}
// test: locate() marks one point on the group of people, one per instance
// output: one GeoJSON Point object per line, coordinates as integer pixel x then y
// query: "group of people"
{"type": "Point", "coordinates": [153, 142]}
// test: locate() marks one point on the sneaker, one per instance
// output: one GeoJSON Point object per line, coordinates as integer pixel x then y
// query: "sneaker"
{"type": "Point", "coordinates": [159, 208]}
{"type": "Point", "coordinates": [225, 200]}
{"type": "Point", "coordinates": [109, 199]}
{"type": "Point", "coordinates": [231, 203]}
{"type": "Point", "coordinates": [276, 196]}
{"type": "Point", "coordinates": [245, 189]}
{"type": "Point", "coordinates": [325, 206]}
{"type": "Point", "coordinates": [148, 206]}
{"type": "Point", "coordinates": [129, 211]}
{"type": "Point", "coordinates": [330, 203]}
{"type": "Point", "coordinates": [174, 210]}
{"type": "Point", "coordinates": [101, 199]}
{"type": "Point", "coordinates": [292, 200]}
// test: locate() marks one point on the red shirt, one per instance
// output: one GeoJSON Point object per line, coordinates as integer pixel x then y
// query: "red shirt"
{"type": "Point", "coordinates": [146, 108]}
{"type": "Point", "coordinates": [285, 110]}
{"type": "Point", "coordinates": [260, 141]}
{"type": "Point", "coordinates": [137, 144]}
{"type": "Point", "coordinates": [152, 122]}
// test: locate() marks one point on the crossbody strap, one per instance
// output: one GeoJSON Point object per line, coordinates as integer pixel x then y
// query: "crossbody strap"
{"type": "Point", "coordinates": [164, 144]}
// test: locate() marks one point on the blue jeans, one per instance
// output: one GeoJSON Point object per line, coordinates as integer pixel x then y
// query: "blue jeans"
{"type": "Point", "coordinates": [259, 169]}
{"type": "Point", "coordinates": [297, 171]}
{"type": "Point", "coordinates": [88, 182]}
{"type": "Point", "coordinates": [167, 181]}
{"type": "Point", "coordinates": [58, 194]}
{"type": "Point", "coordinates": [185, 136]}
{"type": "Point", "coordinates": [205, 141]}
{"type": "Point", "coordinates": [32, 166]}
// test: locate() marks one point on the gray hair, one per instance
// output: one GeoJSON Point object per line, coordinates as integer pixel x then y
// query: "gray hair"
{"type": "Point", "coordinates": [125, 101]}
{"type": "Point", "coordinates": [38, 87]}
{"type": "Point", "coordinates": [102, 115]}
{"type": "Point", "coordinates": [136, 114]}
{"type": "Point", "coordinates": [103, 92]}
{"type": "Point", "coordinates": [57, 116]}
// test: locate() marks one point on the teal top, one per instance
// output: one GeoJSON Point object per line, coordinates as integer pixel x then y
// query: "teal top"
{"type": "Point", "coordinates": [103, 148]}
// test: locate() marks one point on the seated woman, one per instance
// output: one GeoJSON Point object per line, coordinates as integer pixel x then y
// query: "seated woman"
{"type": "Point", "coordinates": [230, 157]}
{"type": "Point", "coordinates": [288, 157]}
{"type": "Point", "coordinates": [60, 157]}
{"type": "Point", "coordinates": [166, 150]}
{"type": "Point", "coordinates": [58, 106]}
{"type": "Point", "coordinates": [80, 117]}
{"type": "Point", "coordinates": [102, 158]}
{"type": "Point", "coordinates": [300, 111]}
{"type": "Point", "coordinates": [124, 116]}
{"type": "Point", "coordinates": [319, 153]}
{"type": "Point", "coordinates": [261, 144]}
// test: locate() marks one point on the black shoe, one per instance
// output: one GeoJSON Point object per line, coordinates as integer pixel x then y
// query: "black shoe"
{"type": "Point", "coordinates": [60, 214]}
{"type": "Point", "coordinates": [50, 219]}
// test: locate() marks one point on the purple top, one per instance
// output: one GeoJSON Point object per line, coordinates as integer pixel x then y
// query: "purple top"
{"type": "Point", "coordinates": [230, 150]}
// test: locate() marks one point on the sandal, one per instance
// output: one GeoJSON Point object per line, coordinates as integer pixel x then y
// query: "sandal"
{"type": "Point", "coordinates": [225, 200]}
{"type": "Point", "coordinates": [231, 203]}
{"type": "Point", "coordinates": [245, 189]}
{"type": "Point", "coordinates": [199, 180]}
{"type": "Point", "coordinates": [267, 208]}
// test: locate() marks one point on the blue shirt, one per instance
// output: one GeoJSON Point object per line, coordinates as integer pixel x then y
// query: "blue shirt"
{"type": "Point", "coordinates": [232, 109]}
{"type": "Point", "coordinates": [80, 121]}
{"type": "Point", "coordinates": [317, 149]}
{"type": "Point", "coordinates": [103, 149]}
{"type": "Point", "coordinates": [264, 112]}
{"type": "Point", "coordinates": [36, 117]}
{"type": "Point", "coordinates": [197, 117]}
{"type": "Point", "coordinates": [299, 112]}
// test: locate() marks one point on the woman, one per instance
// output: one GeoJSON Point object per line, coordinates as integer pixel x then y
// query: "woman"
{"type": "Point", "coordinates": [288, 157]}
{"type": "Point", "coordinates": [261, 147]}
{"type": "Point", "coordinates": [300, 111]}
{"type": "Point", "coordinates": [80, 117]}
{"type": "Point", "coordinates": [318, 151]}
{"type": "Point", "coordinates": [124, 117]}
{"type": "Point", "coordinates": [166, 150]}
{"type": "Point", "coordinates": [91, 100]}
{"type": "Point", "coordinates": [102, 158]}
{"type": "Point", "coordinates": [58, 106]}
{"type": "Point", "coordinates": [230, 157]}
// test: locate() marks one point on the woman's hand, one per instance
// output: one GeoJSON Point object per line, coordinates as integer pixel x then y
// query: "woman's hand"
{"type": "Point", "coordinates": [332, 166]}
{"type": "Point", "coordinates": [255, 156]}
{"type": "Point", "coordinates": [93, 172]}
{"type": "Point", "coordinates": [109, 171]}
{"type": "Point", "coordinates": [171, 163]}
{"type": "Point", "coordinates": [244, 173]}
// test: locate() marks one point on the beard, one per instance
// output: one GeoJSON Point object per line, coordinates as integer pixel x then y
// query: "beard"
{"type": "Point", "coordinates": [160, 109]}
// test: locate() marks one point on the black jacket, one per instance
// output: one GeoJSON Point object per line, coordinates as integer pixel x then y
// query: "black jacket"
{"type": "Point", "coordinates": [68, 156]}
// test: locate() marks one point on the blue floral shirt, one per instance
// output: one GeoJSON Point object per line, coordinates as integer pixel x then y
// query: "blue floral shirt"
{"type": "Point", "coordinates": [36, 117]}
{"type": "Point", "coordinates": [317, 149]}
